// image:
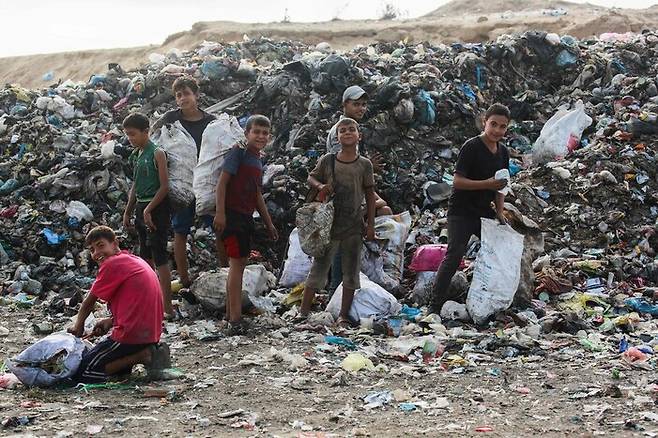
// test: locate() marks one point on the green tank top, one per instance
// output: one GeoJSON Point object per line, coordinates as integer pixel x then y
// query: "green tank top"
{"type": "Point", "coordinates": [145, 174]}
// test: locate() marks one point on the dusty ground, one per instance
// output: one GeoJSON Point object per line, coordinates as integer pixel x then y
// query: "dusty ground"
{"type": "Point", "coordinates": [558, 389]}
{"type": "Point", "coordinates": [460, 20]}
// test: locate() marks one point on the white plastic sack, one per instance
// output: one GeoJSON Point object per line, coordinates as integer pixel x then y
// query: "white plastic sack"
{"type": "Point", "coordinates": [496, 272]}
{"type": "Point", "coordinates": [297, 264]}
{"type": "Point", "coordinates": [181, 161]}
{"type": "Point", "coordinates": [561, 134]}
{"type": "Point", "coordinates": [395, 230]}
{"type": "Point", "coordinates": [218, 138]}
{"type": "Point", "coordinates": [61, 353]}
{"type": "Point", "coordinates": [79, 211]}
{"type": "Point", "coordinates": [383, 260]}
{"type": "Point", "coordinates": [372, 264]}
{"type": "Point", "coordinates": [210, 287]}
{"type": "Point", "coordinates": [422, 292]}
{"type": "Point", "coordinates": [314, 221]}
{"type": "Point", "coordinates": [370, 300]}
{"type": "Point", "coordinates": [107, 150]}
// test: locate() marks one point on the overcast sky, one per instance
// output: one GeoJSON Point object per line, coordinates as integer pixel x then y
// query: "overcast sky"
{"type": "Point", "coordinates": [45, 26]}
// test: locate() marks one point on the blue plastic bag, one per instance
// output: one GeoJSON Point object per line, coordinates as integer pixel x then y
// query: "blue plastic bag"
{"type": "Point", "coordinates": [53, 238]}
{"type": "Point", "coordinates": [425, 108]}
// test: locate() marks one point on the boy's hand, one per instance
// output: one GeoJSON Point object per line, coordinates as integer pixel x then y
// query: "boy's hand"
{"type": "Point", "coordinates": [127, 221]}
{"type": "Point", "coordinates": [273, 233]}
{"type": "Point", "coordinates": [219, 223]}
{"type": "Point", "coordinates": [76, 330]}
{"type": "Point", "coordinates": [496, 184]}
{"type": "Point", "coordinates": [324, 191]}
{"type": "Point", "coordinates": [370, 233]}
{"type": "Point", "coordinates": [377, 161]}
{"type": "Point", "coordinates": [103, 326]}
{"type": "Point", "coordinates": [502, 220]}
{"type": "Point", "coordinates": [148, 220]}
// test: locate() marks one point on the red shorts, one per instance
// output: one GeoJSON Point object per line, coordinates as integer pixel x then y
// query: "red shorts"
{"type": "Point", "coordinates": [237, 235]}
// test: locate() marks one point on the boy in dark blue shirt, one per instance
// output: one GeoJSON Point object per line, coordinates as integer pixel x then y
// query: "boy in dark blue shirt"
{"type": "Point", "coordinates": [238, 196]}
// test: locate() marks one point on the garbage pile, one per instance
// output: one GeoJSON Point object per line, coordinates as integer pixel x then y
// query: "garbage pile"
{"type": "Point", "coordinates": [588, 183]}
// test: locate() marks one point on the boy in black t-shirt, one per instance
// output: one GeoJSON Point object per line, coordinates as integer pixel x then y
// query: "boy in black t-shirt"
{"type": "Point", "coordinates": [194, 120]}
{"type": "Point", "coordinates": [474, 189]}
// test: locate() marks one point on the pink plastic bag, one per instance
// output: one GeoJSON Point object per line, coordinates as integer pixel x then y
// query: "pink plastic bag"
{"type": "Point", "coordinates": [428, 257]}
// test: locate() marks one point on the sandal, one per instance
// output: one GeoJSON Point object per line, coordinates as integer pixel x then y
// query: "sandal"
{"type": "Point", "coordinates": [343, 323]}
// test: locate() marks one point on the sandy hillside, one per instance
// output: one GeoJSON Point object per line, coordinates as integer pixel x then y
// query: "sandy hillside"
{"type": "Point", "coordinates": [460, 20]}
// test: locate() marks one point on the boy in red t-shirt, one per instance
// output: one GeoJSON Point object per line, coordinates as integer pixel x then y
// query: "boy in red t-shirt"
{"type": "Point", "coordinates": [132, 292]}
{"type": "Point", "coordinates": [238, 195]}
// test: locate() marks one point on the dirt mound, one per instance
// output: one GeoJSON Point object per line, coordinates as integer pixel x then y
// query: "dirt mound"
{"type": "Point", "coordinates": [461, 7]}
{"type": "Point", "coordinates": [459, 20]}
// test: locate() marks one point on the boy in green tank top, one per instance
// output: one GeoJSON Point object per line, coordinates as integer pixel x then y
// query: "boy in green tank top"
{"type": "Point", "coordinates": [148, 200]}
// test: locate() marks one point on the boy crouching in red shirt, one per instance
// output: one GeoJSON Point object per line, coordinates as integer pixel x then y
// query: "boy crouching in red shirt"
{"type": "Point", "coordinates": [132, 292]}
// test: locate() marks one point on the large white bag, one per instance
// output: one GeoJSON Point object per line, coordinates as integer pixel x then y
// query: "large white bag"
{"type": "Point", "coordinates": [561, 134]}
{"type": "Point", "coordinates": [394, 230]}
{"type": "Point", "coordinates": [314, 221]}
{"type": "Point", "coordinates": [218, 138]}
{"type": "Point", "coordinates": [210, 288]}
{"type": "Point", "coordinates": [298, 263]}
{"type": "Point", "coordinates": [383, 260]}
{"type": "Point", "coordinates": [496, 272]}
{"type": "Point", "coordinates": [50, 360]}
{"type": "Point", "coordinates": [181, 160]}
{"type": "Point", "coordinates": [370, 300]}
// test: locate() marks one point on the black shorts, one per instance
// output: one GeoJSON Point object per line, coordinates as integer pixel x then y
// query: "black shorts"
{"type": "Point", "coordinates": [153, 244]}
{"type": "Point", "coordinates": [237, 235]}
{"type": "Point", "coordinates": [92, 366]}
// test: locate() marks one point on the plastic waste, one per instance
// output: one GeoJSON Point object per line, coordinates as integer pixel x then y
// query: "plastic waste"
{"type": "Point", "coordinates": [48, 361]}
{"type": "Point", "coordinates": [338, 340]}
{"type": "Point", "coordinates": [79, 210]}
{"type": "Point", "coordinates": [422, 292]}
{"type": "Point", "coordinates": [394, 326]}
{"type": "Point", "coordinates": [53, 238]}
{"type": "Point", "coordinates": [409, 313]}
{"type": "Point", "coordinates": [561, 134]}
{"type": "Point", "coordinates": [107, 150]}
{"type": "Point", "coordinates": [370, 300]}
{"type": "Point", "coordinates": [452, 310]}
{"type": "Point", "coordinates": [314, 221]}
{"type": "Point", "coordinates": [425, 108]}
{"type": "Point", "coordinates": [181, 161]}
{"type": "Point", "coordinates": [8, 186]}
{"type": "Point", "coordinates": [210, 287]}
{"type": "Point", "coordinates": [497, 271]}
{"type": "Point", "coordinates": [214, 68]}
{"type": "Point", "coordinates": [428, 257]}
{"type": "Point", "coordinates": [9, 381]}
{"type": "Point", "coordinates": [356, 362]}
{"type": "Point", "coordinates": [377, 399]}
{"type": "Point", "coordinates": [432, 350]}
{"type": "Point", "coordinates": [297, 264]}
{"type": "Point", "coordinates": [218, 138]}
{"type": "Point", "coordinates": [503, 174]}
{"type": "Point", "coordinates": [566, 58]}
{"type": "Point", "coordinates": [642, 306]}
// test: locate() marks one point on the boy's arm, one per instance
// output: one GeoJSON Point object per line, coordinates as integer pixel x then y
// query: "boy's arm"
{"type": "Point", "coordinates": [220, 201]}
{"type": "Point", "coordinates": [500, 208]}
{"type": "Point", "coordinates": [370, 207]}
{"type": "Point", "coordinates": [161, 194]}
{"type": "Point", "coordinates": [78, 328]}
{"type": "Point", "coordinates": [130, 207]}
{"type": "Point", "coordinates": [262, 210]}
{"type": "Point", "coordinates": [324, 190]}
